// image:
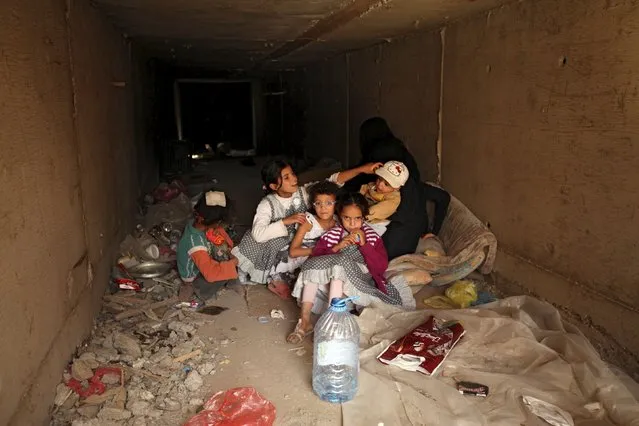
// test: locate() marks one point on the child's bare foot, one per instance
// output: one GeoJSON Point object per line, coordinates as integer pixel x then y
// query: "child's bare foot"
{"type": "Point", "coordinates": [281, 288]}
{"type": "Point", "coordinates": [299, 334]}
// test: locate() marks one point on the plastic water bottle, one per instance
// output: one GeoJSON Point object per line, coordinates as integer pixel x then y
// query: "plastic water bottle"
{"type": "Point", "coordinates": [336, 354]}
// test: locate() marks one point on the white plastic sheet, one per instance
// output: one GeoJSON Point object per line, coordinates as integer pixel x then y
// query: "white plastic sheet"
{"type": "Point", "coordinates": [517, 346]}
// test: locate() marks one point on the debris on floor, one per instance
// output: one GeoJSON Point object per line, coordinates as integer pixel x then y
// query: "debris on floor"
{"type": "Point", "coordinates": [143, 359]}
{"type": "Point", "coordinates": [137, 367]}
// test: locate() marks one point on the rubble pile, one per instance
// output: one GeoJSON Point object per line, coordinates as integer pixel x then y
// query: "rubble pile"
{"type": "Point", "coordinates": [142, 362]}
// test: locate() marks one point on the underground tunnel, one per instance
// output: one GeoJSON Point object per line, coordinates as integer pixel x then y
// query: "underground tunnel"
{"type": "Point", "coordinates": [118, 116]}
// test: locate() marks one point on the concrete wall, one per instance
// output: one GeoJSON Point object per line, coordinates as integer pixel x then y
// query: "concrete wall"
{"type": "Point", "coordinates": [68, 188]}
{"type": "Point", "coordinates": [540, 140]}
{"type": "Point", "coordinates": [539, 111]}
{"type": "Point", "coordinates": [399, 81]}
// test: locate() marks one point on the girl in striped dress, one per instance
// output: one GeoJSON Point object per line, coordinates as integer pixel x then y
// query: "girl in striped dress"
{"type": "Point", "coordinates": [263, 252]}
{"type": "Point", "coordinates": [349, 260]}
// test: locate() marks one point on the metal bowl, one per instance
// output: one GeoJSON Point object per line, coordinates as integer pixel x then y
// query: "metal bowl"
{"type": "Point", "coordinates": [150, 269]}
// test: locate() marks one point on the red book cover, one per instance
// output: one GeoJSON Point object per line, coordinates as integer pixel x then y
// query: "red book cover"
{"type": "Point", "coordinates": [425, 348]}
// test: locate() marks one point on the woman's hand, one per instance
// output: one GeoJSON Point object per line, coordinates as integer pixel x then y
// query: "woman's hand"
{"type": "Point", "coordinates": [369, 168]}
{"type": "Point", "coordinates": [298, 218]}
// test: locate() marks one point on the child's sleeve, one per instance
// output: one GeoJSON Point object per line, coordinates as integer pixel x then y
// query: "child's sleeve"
{"type": "Point", "coordinates": [228, 239]}
{"type": "Point", "coordinates": [322, 247]}
{"type": "Point", "coordinates": [263, 229]}
{"type": "Point", "coordinates": [211, 270]}
{"type": "Point", "coordinates": [383, 210]}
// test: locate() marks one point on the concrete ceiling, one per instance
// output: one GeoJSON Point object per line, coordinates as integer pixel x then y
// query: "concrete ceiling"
{"type": "Point", "coordinates": [275, 33]}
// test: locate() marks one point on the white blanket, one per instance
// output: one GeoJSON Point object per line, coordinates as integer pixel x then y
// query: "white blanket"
{"type": "Point", "coordinates": [517, 346]}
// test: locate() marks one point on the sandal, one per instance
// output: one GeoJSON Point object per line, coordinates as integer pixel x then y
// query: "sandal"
{"type": "Point", "coordinates": [298, 335]}
{"type": "Point", "coordinates": [281, 288]}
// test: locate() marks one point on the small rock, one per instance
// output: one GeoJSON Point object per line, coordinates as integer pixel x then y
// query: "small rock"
{"type": "Point", "coordinates": [62, 393]}
{"type": "Point", "coordinates": [159, 355]}
{"type": "Point", "coordinates": [111, 379]}
{"type": "Point", "coordinates": [196, 402]}
{"type": "Point", "coordinates": [225, 342]}
{"type": "Point", "coordinates": [127, 345]}
{"type": "Point", "coordinates": [206, 368]}
{"type": "Point", "coordinates": [139, 408]}
{"type": "Point", "coordinates": [137, 421]}
{"type": "Point", "coordinates": [158, 370]}
{"type": "Point", "coordinates": [180, 326]}
{"type": "Point", "coordinates": [182, 349]}
{"type": "Point", "coordinates": [114, 414]}
{"type": "Point", "coordinates": [145, 395]}
{"type": "Point", "coordinates": [90, 359]}
{"type": "Point", "coordinates": [71, 401]}
{"type": "Point", "coordinates": [89, 411]}
{"type": "Point", "coordinates": [80, 370]}
{"type": "Point", "coordinates": [193, 381]}
{"type": "Point", "coordinates": [106, 355]}
{"type": "Point", "coordinates": [171, 404]}
{"type": "Point", "coordinates": [138, 363]}
{"type": "Point", "coordinates": [108, 342]}
{"type": "Point", "coordinates": [154, 414]}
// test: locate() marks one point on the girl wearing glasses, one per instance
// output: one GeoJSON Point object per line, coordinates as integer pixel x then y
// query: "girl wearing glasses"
{"type": "Point", "coordinates": [262, 250]}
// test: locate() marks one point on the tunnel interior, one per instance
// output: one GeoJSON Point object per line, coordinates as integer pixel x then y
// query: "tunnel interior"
{"type": "Point", "coordinates": [524, 110]}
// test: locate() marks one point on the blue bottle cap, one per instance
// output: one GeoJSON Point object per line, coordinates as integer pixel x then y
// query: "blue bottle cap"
{"type": "Point", "coordinates": [340, 305]}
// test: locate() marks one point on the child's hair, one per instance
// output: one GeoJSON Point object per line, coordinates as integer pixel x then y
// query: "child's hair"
{"type": "Point", "coordinates": [272, 173]}
{"type": "Point", "coordinates": [352, 199]}
{"type": "Point", "coordinates": [211, 215]}
{"type": "Point", "coordinates": [323, 187]}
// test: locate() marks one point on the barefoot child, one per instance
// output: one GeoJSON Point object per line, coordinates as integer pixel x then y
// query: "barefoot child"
{"type": "Point", "coordinates": [204, 251]}
{"type": "Point", "coordinates": [350, 260]}
{"type": "Point", "coordinates": [265, 247]}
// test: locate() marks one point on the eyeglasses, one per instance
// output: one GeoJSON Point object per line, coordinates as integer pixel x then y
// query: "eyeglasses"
{"type": "Point", "coordinates": [324, 203]}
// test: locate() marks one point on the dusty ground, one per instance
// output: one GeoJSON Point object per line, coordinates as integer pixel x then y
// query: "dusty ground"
{"type": "Point", "coordinates": [259, 355]}
{"type": "Point", "coordinates": [261, 358]}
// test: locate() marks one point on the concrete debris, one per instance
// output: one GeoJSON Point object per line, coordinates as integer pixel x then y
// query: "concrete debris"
{"type": "Point", "coordinates": [206, 368]}
{"type": "Point", "coordinates": [155, 385]}
{"type": "Point", "coordinates": [89, 411]}
{"type": "Point", "coordinates": [62, 393]}
{"type": "Point", "coordinates": [171, 404]}
{"type": "Point", "coordinates": [113, 414]}
{"type": "Point", "coordinates": [127, 345]}
{"type": "Point", "coordinates": [80, 370]}
{"type": "Point", "coordinates": [139, 408]}
{"type": "Point", "coordinates": [196, 402]}
{"type": "Point", "coordinates": [193, 381]}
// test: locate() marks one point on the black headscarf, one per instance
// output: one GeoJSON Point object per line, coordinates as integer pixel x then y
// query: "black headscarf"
{"type": "Point", "coordinates": [378, 144]}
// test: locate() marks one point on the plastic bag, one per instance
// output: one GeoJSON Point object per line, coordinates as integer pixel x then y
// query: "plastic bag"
{"type": "Point", "coordinates": [235, 407]}
{"type": "Point", "coordinates": [462, 293]}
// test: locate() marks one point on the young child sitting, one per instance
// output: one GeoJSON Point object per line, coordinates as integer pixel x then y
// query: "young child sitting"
{"type": "Point", "coordinates": [323, 196]}
{"type": "Point", "coordinates": [383, 195]}
{"type": "Point", "coordinates": [204, 252]}
{"type": "Point", "coordinates": [263, 252]}
{"type": "Point", "coordinates": [349, 259]}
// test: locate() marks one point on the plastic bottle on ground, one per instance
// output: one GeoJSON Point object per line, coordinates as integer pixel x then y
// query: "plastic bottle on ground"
{"type": "Point", "coordinates": [336, 354]}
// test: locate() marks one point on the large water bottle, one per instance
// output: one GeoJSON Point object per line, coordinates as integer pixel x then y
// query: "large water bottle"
{"type": "Point", "coordinates": [336, 353]}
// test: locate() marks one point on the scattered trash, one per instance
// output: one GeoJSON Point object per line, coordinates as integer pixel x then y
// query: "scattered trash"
{"type": "Point", "coordinates": [547, 411]}
{"type": "Point", "coordinates": [470, 388]}
{"type": "Point", "coordinates": [439, 302]}
{"type": "Point", "coordinates": [483, 297]}
{"type": "Point", "coordinates": [263, 320]}
{"type": "Point", "coordinates": [425, 348]}
{"type": "Point", "coordinates": [463, 293]}
{"type": "Point", "coordinates": [235, 407]}
{"type": "Point", "coordinates": [277, 314]}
